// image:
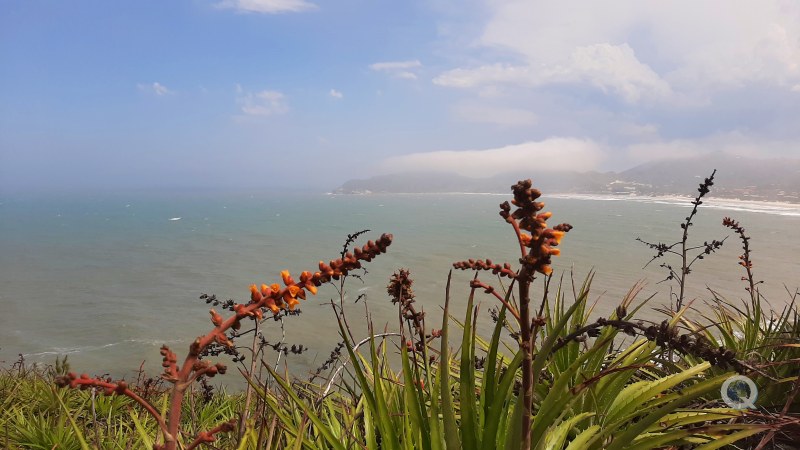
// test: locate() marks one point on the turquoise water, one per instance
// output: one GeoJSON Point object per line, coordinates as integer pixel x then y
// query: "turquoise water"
{"type": "Point", "coordinates": [109, 279]}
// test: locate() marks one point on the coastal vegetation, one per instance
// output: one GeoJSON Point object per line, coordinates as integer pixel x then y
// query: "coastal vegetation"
{"type": "Point", "coordinates": [550, 375]}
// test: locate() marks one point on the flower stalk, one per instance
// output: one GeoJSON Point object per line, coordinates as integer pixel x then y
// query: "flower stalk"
{"type": "Point", "coordinates": [537, 245]}
{"type": "Point", "coordinates": [272, 298]}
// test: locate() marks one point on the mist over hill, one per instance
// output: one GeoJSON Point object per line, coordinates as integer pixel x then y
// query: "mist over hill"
{"type": "Point", "coordinates": [776, 179]}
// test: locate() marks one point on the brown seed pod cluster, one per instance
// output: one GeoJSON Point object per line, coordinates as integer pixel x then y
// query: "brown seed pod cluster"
{"type": "Point", "coordinates": [401, 294]}
{"type": "Point", "coordinates": [399, 287]}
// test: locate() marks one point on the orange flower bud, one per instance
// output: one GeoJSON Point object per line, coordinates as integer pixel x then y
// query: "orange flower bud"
{"type": "Point", "coordinates": [554, 235]}
{"type": "Point", "coordinates": [254, 294]}
{"type": "Point", "coordinates": [270, 303]}
{"type": "Point", "coordinates": [287, 279]}
{"type": "Point", "coordinates": [216, 319]}
{"type": "Point", "coordinates": [311, 288]}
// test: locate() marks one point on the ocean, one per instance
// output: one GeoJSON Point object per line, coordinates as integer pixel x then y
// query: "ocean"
{"type": "Point", "coordinates": [108, 278]}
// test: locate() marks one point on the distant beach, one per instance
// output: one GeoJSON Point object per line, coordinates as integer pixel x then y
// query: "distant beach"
{"type": "Point", "coordinates": [733, 204]}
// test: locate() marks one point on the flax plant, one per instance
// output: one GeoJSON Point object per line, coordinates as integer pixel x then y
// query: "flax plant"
{"type": "Point", "coordinates": [548, 377]}
{"type": "Point", "coordinates": [556, 374]}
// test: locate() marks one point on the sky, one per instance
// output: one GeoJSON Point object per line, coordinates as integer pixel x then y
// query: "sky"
{"type": "Point", "coordinates": [307, 94]}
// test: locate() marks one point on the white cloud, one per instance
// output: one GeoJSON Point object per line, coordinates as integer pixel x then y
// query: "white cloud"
{"type": "Point", "coordinates": [549, 154]}
{"type": "Point", "coordinates": [406, 75]}
{"type": "Point", "coordinates": [395, 65]}
{"type": "Point", "coordinates": [155, 88]}
{"type": "Point", "coordinates": [490, 74]}
{"type": "Point", "coordinates": [610, 68]}
{"type": "Point", "coordinates": [267, 6]}
{"type": "Point", "coordinates": [479, 113]}
{"type": "Point", "coordinates": [264, 103]}
{"type": "Point", "coordinates": [336, 94]}
{"type": "Point", "coordinates": [615, 68]}
{"type": "Point", "coordinates": [398, 69]}
{"type": "Point", "coordinates": [637, 50]}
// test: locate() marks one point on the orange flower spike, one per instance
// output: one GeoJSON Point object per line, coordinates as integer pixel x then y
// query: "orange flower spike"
{"type": "Point", "coordinates": [216, 319]}
{"type": "Point", "coordinates": [287, 278]}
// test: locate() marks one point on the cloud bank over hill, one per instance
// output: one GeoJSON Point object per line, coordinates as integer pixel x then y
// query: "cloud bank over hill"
{"type": "Point", "coordinates": [551, 154]}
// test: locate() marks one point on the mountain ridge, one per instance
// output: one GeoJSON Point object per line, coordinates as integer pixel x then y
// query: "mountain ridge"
{"type": "Point", "coordinates": [772, 179]}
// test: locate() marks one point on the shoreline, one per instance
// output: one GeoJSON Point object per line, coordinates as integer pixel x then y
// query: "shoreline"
{"type": "Point", "coordinates": [777, 207]}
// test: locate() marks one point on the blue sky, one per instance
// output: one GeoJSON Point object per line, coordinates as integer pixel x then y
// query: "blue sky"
{"type": "Point", "coordinates": [302, 93]}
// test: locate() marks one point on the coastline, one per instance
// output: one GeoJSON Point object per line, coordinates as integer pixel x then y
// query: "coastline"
{"type": "Point", "coordinates": [733, 204]}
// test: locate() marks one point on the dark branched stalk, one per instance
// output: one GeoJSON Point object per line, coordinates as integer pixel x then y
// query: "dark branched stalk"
{"type": "Point", "coordinates": [665, 336]}
{"type": "Point", "coordinates": [682, 249]}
